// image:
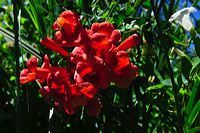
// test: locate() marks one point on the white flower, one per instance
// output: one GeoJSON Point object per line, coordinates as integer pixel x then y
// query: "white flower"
{"type": "Point", "coordinates": [182, 17]}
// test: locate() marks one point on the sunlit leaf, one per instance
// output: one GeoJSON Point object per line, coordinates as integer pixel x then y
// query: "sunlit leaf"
{"type": "Point", "coordinates": [192, 100]}
{"type": "Point", "coordinates": [194, 114]}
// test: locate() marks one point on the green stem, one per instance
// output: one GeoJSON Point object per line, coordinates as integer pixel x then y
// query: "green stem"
{"type": "Point", "coordinates": [175, 90]}
{"type": "Point", "coordinates": [171, 73]}
{"type": "Point", "coordinates": [17, 54]}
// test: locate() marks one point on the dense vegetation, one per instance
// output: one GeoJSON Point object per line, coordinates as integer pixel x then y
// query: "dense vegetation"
{"type": "Point", "coordinates": [164, 97]}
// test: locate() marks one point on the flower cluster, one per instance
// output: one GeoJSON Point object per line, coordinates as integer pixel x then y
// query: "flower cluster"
{"type": "Point", "coordinates": [98, 58]}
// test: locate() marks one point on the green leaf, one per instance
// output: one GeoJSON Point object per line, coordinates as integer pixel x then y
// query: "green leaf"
{"type": "Point", "coordinates": [128, 9]}
{"type": "Point", "coordinates": [196, 66]}
{"type": "Point", "coordinates": [32, 18]}
{"type": "Point", "coordinates": [167, 82]}
{"type": "Point", "coordinates": [24, 44]}
{"type": "Point", "coordinates": [105, 14]}
{"type": "Point", "coordinates": [192, 98]}
{"type": "Point", "coordinates": [194, 130]}
{"type": "Point", "coordinates": [79, 3]}
{"type": "Point", "coordinates": [195, 3]}
{"type": "Point", "coordinates": [158, 86]}
{"type": "Point", "coordinates": [146, 4]}
{"type": "Point", "coordinates": [158, 75]}
{"type": "Point", "coordinates": [50, 8]}
{"type": "Point", "coordinates": [35, 16]}
{"type": "Point", "coordinates": [137, 3]}
{"type": "Point", "coordinates": [177, 40]}
{"type": "Point", "coordinates": [186, 66]}
{"type": "Point", "coordinates": [194, 114]}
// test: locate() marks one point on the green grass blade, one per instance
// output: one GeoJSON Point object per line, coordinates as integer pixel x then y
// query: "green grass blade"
{"type": "Point", "coordinates": [32, 17]}
{"type": "Point", "coordinates": [155, 87]}
{"type": "Point", "coordinates": [192, 98]}
{"type": "Point", "coordinates": [194, 130]}
{"type": "Point", "coordinates": [37, 21]}
{"type": "Point", "coordinates": [50, 8]}
{"type": "Point", "coordinates": [24, 44]}
{"type": "Point", "coordinates": [45, 10]}
{"type": "Point", "coordinates": [158, 74]}
{"type": "Point", "coordinates": [194, 114]}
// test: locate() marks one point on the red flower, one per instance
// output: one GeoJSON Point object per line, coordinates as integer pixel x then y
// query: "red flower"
{"type": "Point", "coordinates": [58, 76]}
{"type": "Point", "coordinates": [129, 42]}
{"type": "Point", "coordinates": [51, 44]}
{"type": "Point", "coordinates": [68, 28]}
{"type": "Point", "coordinates": [77, 99]}
{"type": "Point", "coordinates": [64, 40]}
{"type": "Point", "coordinates": [69, 21]}
{"type": "Point", "coordinates": [94, 63]}
{"type": "Point", "coordinates": [33, 72]}
{"type": "Point", "coordinates": [122, 70]}
{"type": "Point", "coordinates": [103, 36]}
{"type": "Point", "coordinates": [32, 63]}
{"type": "Point", "coordinates": [124, 77]}
{"type": "Point", "coordinates": [90, 68]}
{"type": "Point", "coordinates": [58, 82]}
{"type": "Point", "coordinates": [65, 95]}
{"type": "Point", "coordinates": [99, 77]}
{"type": "Point", "coordinates": [26, 76]}
{"type": "Point", "coordinates": [78, 54]}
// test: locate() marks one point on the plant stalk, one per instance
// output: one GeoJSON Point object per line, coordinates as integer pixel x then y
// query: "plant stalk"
{"type": "Point", "coordinates": [170, 70]}
{"type": "Point", "coordinates": [17, 71]}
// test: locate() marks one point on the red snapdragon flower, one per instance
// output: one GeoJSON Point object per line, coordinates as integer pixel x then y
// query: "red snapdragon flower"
{"type": "Point", "coordinates": [103, 36]}
{"type": "Point", "coordinates": [33, 72]}
{"type": "Point", "coordinates": [118, 62]}
{"type": "Point", "coordinates": [130, 42]}
{"type": "Point", "coordinates": [68, 28]}
{"type": "Point", "coordinates": [52, 45]}
{"type": "Point", "coordinates": [90, 68]}
{"type": "Point", "coordinates": [69, 21]}
{"type": "Point", "coordinates": [115, 66]}
{"type": "Point", "coordinates": [94, 63]}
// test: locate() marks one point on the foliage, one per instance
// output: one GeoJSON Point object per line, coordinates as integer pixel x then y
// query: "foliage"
{"type": "Point", "coordinates": [163, 98]}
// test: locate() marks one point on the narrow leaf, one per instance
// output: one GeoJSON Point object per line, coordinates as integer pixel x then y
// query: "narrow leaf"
{"type": "Point", "coordinates": [192, 98]}
{"type": "Point", "coordinates": [194, 130]}
{"type": "Point", "coordinates": [24, 44]}
{"type": "Point", "coordinates": [158, 86]}
{"type": "Point", "coordinates": [194, 114]}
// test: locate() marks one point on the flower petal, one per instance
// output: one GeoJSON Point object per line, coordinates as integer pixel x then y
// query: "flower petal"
{"type": "Point", "coordinates": [115, 37]}
{"type": "Point", "coordinates": [26, 76]}
{"type": "Point", "coordinates": [182, 17]}
{"type": "Point", "coordinates": [124, 77]}
{"type": "Point", "coordinates": [79, 54]}
{"type": "Point", "coordinates": [129, 42]}
{"type": "Point", "coordinates": [32, 64]}
{"type": "Point", "coordinates": [51, 44]}
{"type": "Point", "coordinates": [102, 27]}
{"type": "Point", "coordinates": [87, 89]}
{"type": "Point", "coordinates": [83, 69]}
{"type": "Point", "coordinates": [42, 73]}
{"type": "Point", "coordinates": [122, 60]}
